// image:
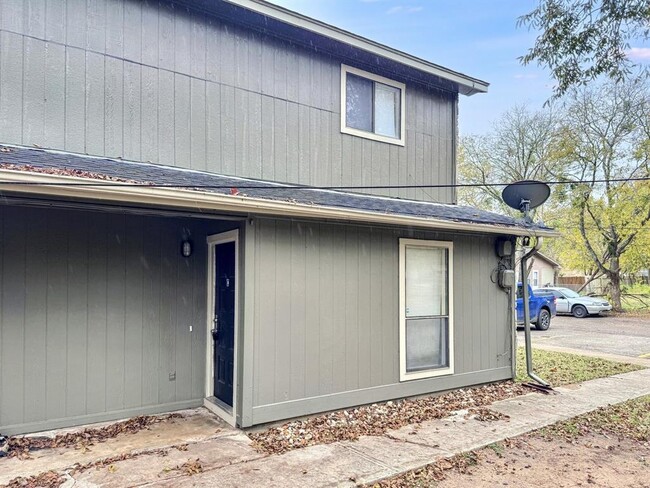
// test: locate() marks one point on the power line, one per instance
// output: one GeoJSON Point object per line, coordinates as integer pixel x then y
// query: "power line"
{"type": "Point", "coordinates": [306, 187]}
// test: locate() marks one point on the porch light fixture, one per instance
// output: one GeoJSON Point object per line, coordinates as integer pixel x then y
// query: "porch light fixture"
{"type": "Point", "coordinates": [186, 249]}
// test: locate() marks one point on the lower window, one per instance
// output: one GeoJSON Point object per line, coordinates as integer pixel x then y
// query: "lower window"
{"type": "Point", "coordinates": [426, 325]}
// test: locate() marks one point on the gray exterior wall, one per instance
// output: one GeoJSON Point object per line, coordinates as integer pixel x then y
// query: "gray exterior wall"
{"type": "Point", "coordinates": [95, 310]}
{"type": "Point", "coordinates": [325, 319]}
{"type": "Point", "coordinates": [148, 81]}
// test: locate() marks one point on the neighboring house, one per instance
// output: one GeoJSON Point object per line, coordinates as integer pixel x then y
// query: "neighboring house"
{"type": "Point", "coordinates": [157, 256]}
{"type": "Point", "coordinates": [543, 272]}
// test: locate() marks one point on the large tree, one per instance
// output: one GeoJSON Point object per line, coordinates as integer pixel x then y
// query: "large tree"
{"type": "Point", "coordinates": [580, 40]}
{"type": "Point", "coordinates": [605, 138]}
{"type": "Point", "coordinates": [520, 146]}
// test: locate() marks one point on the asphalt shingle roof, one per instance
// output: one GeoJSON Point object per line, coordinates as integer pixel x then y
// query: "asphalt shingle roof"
{"type": "Point", "coordinates": [146, 173]}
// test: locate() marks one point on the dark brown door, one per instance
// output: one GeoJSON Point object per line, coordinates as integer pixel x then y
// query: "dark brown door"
{"type": "Point", "coordinates": [223, 333]}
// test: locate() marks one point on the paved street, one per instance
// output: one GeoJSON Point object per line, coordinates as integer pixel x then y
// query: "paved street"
{"type": "Point", "coordinates": [623, 336]}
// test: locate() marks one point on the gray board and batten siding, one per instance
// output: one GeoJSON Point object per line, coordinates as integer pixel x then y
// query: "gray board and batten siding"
{"type": "Point", "coordinates": [152, 81]}
{"type": "Point", "coordinates": [325, 328]}
{"type": "Point", "coordinates": [95, 310]}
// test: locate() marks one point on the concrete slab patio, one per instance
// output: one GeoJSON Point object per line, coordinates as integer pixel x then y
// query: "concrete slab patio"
{"type": "Point", "coordinates": [229, 460]}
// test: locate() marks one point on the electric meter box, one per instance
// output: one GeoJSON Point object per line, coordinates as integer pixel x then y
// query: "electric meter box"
{"type": "Point", "coordinates": [507, 278]}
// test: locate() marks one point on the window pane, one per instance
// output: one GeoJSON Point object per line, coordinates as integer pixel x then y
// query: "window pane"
{"type": "Point", "coordinates": [358, 103]}
{"type": "Point", "coordinates": [426, 281]}
{"type": "Point", "coordinates": [426, 344]}
{"type": "Point", "coordinates": [387, 110]}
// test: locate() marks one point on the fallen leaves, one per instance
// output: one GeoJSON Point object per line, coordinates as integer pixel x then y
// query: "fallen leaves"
{"type": "Point", "coordinates": [21, 446]}
{"type": "Point", "coordinates": [49, 479]}
{"type": "Point", "coordinates": [66, 172]}
{"type": "Point", "coordinates": [190, 467]}
{"type": "Point", "coordinates": [377, 419]}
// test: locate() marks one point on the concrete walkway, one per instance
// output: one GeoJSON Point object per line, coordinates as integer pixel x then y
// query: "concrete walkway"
{"type": "Point", "coordinates": [228, 460]}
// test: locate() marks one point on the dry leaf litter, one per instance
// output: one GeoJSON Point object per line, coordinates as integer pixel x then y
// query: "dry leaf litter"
{"type": "Point", "coordinates": [377, 419]}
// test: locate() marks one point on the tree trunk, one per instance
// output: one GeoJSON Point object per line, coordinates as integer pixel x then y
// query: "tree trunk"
{"type": "Point", "coordinates": [615, 284]}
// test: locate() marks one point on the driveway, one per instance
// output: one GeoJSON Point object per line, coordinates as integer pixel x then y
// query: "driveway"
{"type": "Point", "coordinates": [617, 335]}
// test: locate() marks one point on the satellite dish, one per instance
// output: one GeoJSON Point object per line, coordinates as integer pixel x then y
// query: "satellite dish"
{"type": "Point", "coordinates": [525, 195]}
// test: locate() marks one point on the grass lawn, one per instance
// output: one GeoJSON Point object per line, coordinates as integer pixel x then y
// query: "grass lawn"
{"type": "Point", "coordinates": [559, 368]}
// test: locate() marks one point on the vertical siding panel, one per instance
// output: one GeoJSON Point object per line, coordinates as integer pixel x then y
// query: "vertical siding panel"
{"type": "Point", "coordinates": [115, 306]}
{"type": "Point", "coordinates": [228, 130]}
{"type": "Point", "coordinates": [95, 103]}
{"type": "Point", "coordinates": [166, 39]}
{"type": "Point", "coordinates": [280, 139]}
{"type": "Point", "coordinates": [312, 290]}
{"type": "Point", "coordinates": [315, 152]}
{"type": "Point", "coordinates": [182, 40]}
{"type": "Point", "coordinates": [114, 107]}
{"type": "Point", "coordinates": [213, 127]}
{"type": "Point", "coordinates": [325, 163]}
{"type": "Point", "coordinates": [213, 48]}
{"type": "Point", "coordinates": [95, 25]}
{"type": "Point", "coordinates": [375, 305]}
{"type": "Point", "coordinates": [12, 406]}
{"type": "Point", "coordinates": [35, 317]}
{"type": "Point", "coordinates": [54, 116]}
{"type": "Point", "coordinates": [356, 164]}
{"type": "Point", "coordinates": [336, 156]}
{"type": "Point", "coordinates": [393, 170]}
{"type": "Point", "coordinates": [183, 349]}
{"type": "Point", "coordinates": [304, 77]}
{"type": "Point", "coordinates": [419, 165]}
{"type": "Point", "coordinates": [11, 86]}
{"type": "Point", "coordinates": [292, 74]}
{"type": "Point", "coordinates": [346, 160]}
{"type": "Point", "coordinates": [55, 17]}
{"type": "Point", "coordinates": [167, 319]}
{"type": "Point", "coordinates": [198, 146]}
{"type": "Point", "coordinates": [57, 318]}
{"type": "Point", "coordinates": [327, 281]}
{"type": "Point", "coordinates": [75, 96]}
{"type": "Point", "coordinates": [97, 314]}
{"type": "Point", "coordinates": [268, 138]}
{"type": "Point", "coordinates": [198, 318]}
{"type": "Point", "coordinates": [132, 111]}
{"type": "Point", "coordinates": [280, 70]}
{"type": "Point", "coordinates": [34, 92]}
{"type": "Point", "coordinates": [76, 15]}
{"type": "Point", "coordinates": [266, 350]}
{"type": "Point", "coordinates": [268, 67]}
{"type": "Point", "coordinates": [151, 305]}
{"type": "Point", "coordinates": [351, 308]}
{"type": "Point", "coordinates": [182, 121]}
{"type": "Point", "coordinates": [340, 326]}
{"type": "Point", "coordinates": [364, 356]}
{"type": "Point", "coordinates": [293, 143]}
{"type": "Point", "coordinates": [282, 312]}
{"type": "Point", "coordinates": [166, 137]}
{"type": "Point", "coordinates": [12, 15]}
{"type": "Point", "coordinates": [133, 27]}
{"type": "Point", "coordinates": [298, 309]}
{"type": "Point", "coordinates": [242, 164]}
{"type": "Point", "coordinates": [150, 108]}
{"type": "Point", "coordinates": [255, 156]}
{"type": "Point", "coordinates": [255, 63]}
{"type": "Point", "coordinates": [115, 28]}
{"type": "Point", "coordinates": [150, 34]}
{"type": "Point", "coordinates": [133, 326]}
{"type": "Point", "coordinates": [389, 308]}
{"type": "Point", "coordinates": [241, 58]}
{"type": "Point", "coordinates": [304, 145]}
{"type": "Point", "coordinates": [77, 295]}
{"type": "Point", "coordinates": [226, 50]}
{"type": "Point", "coordinates": [198, 46]}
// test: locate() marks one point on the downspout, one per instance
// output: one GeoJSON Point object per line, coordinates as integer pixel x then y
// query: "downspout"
{"type": "Point", "coordinates": [526, 306]}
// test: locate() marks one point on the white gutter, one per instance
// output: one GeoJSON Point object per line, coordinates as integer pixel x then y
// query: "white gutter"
{"type": "Point", "coordinates": [469, 86]}
{"type": "Point", "coordinates": [54, 185]}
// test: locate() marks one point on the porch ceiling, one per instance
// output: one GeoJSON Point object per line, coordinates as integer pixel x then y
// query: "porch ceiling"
{"type": "Point", "coordinates": [55, 173]}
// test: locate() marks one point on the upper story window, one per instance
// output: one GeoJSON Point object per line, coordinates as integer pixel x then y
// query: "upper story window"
{"type": "Point", "coordinates": [372, 106]}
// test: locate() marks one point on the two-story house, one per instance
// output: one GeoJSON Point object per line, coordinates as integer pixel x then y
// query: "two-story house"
{"type": "Point", "coordinates": [226, 203]}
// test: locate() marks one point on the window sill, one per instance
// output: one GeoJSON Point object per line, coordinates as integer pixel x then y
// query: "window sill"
{"type": "Point", "coordinates": [432, 373]}
{"type": "Point", "coordinates": [372, 136]}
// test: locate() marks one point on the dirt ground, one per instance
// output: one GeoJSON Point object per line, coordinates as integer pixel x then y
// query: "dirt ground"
{"type": "Point", "coordinates": [594, 460]}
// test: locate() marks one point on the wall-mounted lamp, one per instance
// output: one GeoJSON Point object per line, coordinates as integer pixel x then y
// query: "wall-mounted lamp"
{"type": "Point", "coordinates": [186, 249]}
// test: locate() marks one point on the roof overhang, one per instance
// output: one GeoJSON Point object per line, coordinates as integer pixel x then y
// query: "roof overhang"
{"type": "Point", "coordinates": [467, 85]}
{"type": "Point", "coordinates": [23, 182]}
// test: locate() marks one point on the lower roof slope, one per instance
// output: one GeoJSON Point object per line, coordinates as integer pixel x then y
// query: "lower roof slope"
{"type": "Point", "coordinates": [113, 173]}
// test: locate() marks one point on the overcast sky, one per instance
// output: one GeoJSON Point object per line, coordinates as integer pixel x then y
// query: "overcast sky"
{"type": "Point", "coordinates": [477, 37]}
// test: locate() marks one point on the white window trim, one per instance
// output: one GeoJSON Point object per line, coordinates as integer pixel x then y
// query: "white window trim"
{"type": "Point", "coordinates": [345, 69]}
{"type": "Point", "coordinates": [403, 243]}
{"type": "Point", "coordinates": [229, 416]}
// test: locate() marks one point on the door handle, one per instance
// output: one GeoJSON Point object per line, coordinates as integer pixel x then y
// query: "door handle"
{"type": "Point", "coordinates": [215, 330]}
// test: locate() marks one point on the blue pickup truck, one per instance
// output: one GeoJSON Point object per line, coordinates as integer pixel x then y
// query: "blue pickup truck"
{"type": "Point", "coordinates": [542, 308]}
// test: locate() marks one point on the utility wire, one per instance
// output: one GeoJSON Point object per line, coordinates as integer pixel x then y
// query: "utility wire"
{"type": "Point", "coordinates": [281, 186]}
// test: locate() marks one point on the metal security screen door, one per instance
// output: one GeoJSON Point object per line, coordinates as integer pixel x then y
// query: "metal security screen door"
{"type": "Point", "coordinates": [223, 332]}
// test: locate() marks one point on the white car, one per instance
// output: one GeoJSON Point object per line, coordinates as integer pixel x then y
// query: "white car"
{"type": "Point", "coordinates": [570, 302]}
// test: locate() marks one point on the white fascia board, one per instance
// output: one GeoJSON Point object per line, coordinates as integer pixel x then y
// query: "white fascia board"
{"type": "Point", "coordinates": [468, 85]}
{"type": "Point", "coordinates": [54, 185]}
